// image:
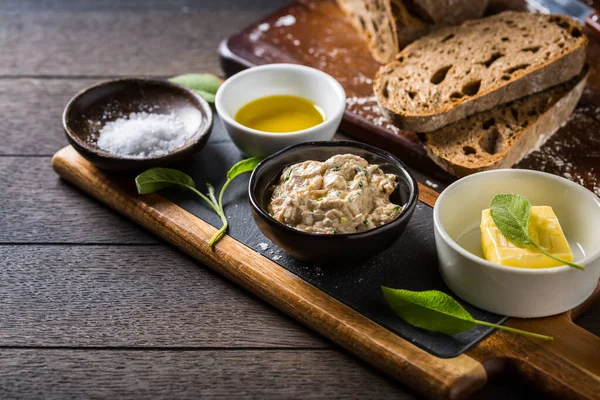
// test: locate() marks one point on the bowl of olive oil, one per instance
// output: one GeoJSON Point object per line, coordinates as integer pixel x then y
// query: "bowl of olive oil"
{"type": "Point", "coordinates": [268, 108]}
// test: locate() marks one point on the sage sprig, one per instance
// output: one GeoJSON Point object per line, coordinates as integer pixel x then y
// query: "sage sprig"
{"type": "Point", "coordinates": [511, 213]}
{"type": "Point", "coordinates": [436, 311]}
{"type": "Point", "coordinates": [156, 179]}
{"type": "Point", "coordinates": [205, 85]}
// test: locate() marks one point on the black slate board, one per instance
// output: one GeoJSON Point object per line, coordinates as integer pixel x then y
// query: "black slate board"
{"type": "Point", "coordinates": [410, 264]}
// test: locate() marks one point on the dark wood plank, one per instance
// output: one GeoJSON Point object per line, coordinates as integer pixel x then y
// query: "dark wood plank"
{"type": "Point", "coordinates": [232, 374]}
{"type": "Point", "coordinates": [140, 5]}
{"type": "Point", "coordinates": [38, 207]}
{"type": "Point", "coordinates": [305, 374]}
{"type": "Point", "coordinates": [68, 43]}
{"type": "Point", "coordinates": [124, 296]}
{"type": "Point", "coordinates": [32, 114]}
{"type": "Point", "coordinates": [60, 374]}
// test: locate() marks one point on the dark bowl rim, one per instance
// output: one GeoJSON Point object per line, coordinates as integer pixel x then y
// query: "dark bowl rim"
{"type": "Point", "coordinates": [410, 204]}
{"type": "Point", "coordinates": [196, 138]}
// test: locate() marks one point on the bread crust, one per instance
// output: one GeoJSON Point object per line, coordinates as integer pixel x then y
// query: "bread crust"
{"type": "Point", "coordinates": [527, 139]}
{"type": "Point", "coordinates": [533, 78]}
{"type": "Point", "coordinates": [404, 26]}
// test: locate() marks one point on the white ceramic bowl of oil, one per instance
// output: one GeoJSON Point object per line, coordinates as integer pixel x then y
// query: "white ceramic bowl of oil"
{"type": "Point", "coordinates": [517, 292]}
{"type": "Point", "coordinates": [279, 79]}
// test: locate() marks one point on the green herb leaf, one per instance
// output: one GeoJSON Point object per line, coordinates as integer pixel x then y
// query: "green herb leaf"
{"type": "Point", "coordinates": [160, 178]}
{"type": "Point", "coordinates": [156, 179]}
{"type": "Point", "coordinates": [205, 84]}
{"type": "Point", "coordinates": [289, 174]}
{"type": "Point", "coordinates": [210, 97]}
{"type": "Point", "coordinates": [436, 311]}
{"type": "Point", "coordinates": [240, 167]}
{"type": "Point", "coordinates": [431, 310]}
{"type": "Point", "coordinates": [511, 213]}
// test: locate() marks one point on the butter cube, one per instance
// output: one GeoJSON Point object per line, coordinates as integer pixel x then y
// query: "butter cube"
{"type": "Point", "coordinates": [544, 230]}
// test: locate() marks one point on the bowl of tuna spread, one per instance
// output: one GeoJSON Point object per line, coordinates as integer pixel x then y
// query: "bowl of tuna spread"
{"type": "Point", "coordinates": [329, 202]}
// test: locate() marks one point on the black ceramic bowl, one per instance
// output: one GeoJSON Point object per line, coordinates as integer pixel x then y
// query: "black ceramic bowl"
{"type": "Point", "coordinates": [83, 118]}
{"type": "Point", "coordinates": [330, 248]}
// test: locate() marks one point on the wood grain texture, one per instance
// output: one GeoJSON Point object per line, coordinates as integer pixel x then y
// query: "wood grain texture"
{"type": "Point", "coordinates": [123, 296]}
{"type": "Point", "coordinates": [232, 374]}
{"type": "Point", "coordinates": [39, 207]}
{"type": "Point", "coordinates": [157, 43]}
{"type": "Point", "coordinates": [434, 377]}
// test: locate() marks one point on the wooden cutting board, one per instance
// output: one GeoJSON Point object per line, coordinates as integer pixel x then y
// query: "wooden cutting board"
{"type": "Point", "coordinates": [316, 33]}
{"type": "Point", "coordinates": [567, 367]}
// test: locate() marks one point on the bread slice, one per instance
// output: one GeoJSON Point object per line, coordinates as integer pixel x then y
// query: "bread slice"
{"type": "Point", "coordinates": [375, 21]}
{"type": "Point", "coordinates": [388, 25]}
{"type": "Point", "coordinates": [459, 71]}
{"type": "Point", "coordinates": [502, 136]}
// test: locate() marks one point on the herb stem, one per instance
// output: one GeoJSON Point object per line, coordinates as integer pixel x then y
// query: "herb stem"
{"type": "Point", "coordinates": [217, 236]}
{"type": "Point", "coordinates": [524, 333]}
{"type": "Point", "coordinates": [203, 197]}
{"type": "Point", "coordinates": [538, 248]}
{"type": "Point", "coordinates": [220, 204]}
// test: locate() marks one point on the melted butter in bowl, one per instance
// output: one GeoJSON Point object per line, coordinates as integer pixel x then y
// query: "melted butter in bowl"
{"type": "Point", "coordinates": [280, 114]}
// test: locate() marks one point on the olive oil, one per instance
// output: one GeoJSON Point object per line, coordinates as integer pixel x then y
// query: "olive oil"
{"type": "Point", "coordinates": [280, 114]}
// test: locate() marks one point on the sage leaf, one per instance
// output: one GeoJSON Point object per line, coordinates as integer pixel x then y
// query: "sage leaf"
{"type": "Point", "coordinates": [436, 311]}
{"type": "Point", "coordinates": [240, 167]}
{"type": "Point", "coordinates": [511, 213]}
{"type": "Point", "coordinates": [210, 97]}
{"type": "Point", "coordinates": [431, 310]}
{"type": "Point", "coordinates": [205, 85]}
{"type": "Point", "coordinates": [156, 179]}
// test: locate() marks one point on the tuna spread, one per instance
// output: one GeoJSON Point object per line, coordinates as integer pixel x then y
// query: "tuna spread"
{"type": "Point", "coordinates": [344, 194]}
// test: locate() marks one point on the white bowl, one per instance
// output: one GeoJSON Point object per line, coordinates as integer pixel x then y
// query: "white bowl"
{"type": "Point", "coordinates": [279, 79]}
{"type": "Point", "coordinates": [517, 292]}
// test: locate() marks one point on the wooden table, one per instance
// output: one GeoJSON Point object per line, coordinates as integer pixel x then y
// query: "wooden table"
{"type": "Point", "coordinates": [90, 304]}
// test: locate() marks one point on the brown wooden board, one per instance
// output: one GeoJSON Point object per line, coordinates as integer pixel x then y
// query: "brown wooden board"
{"type": "Point", "coordinates": [316, 33]}
{"type": "Point", "coordinates": [566, 367]}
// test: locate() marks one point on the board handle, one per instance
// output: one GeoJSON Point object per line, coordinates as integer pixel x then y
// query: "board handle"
{"type": "Point", "coordinates": [593, 23]}
{"type": "Point", "coordinates": [568, 367]}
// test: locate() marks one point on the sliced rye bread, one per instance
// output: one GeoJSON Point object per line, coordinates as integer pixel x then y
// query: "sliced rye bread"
{"type": "Point", "coordinates": [502, 136]}
{"type": "Point", "coordinates": [459, 71]}
{"type": "Point", "coordinates": [375, 21]}
{"type": "Point", "coordinates": [388, 25]}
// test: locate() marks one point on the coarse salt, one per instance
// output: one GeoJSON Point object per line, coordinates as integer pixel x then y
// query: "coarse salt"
{"type": "Point", "coordinates": [143, 135]}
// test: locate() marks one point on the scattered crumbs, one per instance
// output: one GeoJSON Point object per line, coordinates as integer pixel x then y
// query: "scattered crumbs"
{"type": "Point", "coordinates": [263, 27]}
{"type": "Point", "coordinates": [296, 42]}
{"type": "Point", "coordinates": [364, 79]}
{"type": "Point", "coordinates": [263, 246]}
{"type": "Point", "coordinates": [432, 184]}
{"type": "Point", "coordinates": [255, 35]}
{"type": "Point", "coordinates": [271, 251]}
{"type": "Point", "coordinates": [259, 52]}
{"type": "Point", "coordinates": [276, 257]}
{"type": "Point", "coordinates": [354, 100]}
{"type": "Point", "coordinates": [287, 20]}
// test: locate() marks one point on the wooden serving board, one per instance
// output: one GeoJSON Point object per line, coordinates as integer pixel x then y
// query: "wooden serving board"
{"type": "Point", "coordinates": [316, 33]}
{"type": "Point", "coordinates": [340, 304]}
